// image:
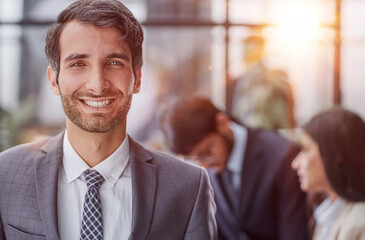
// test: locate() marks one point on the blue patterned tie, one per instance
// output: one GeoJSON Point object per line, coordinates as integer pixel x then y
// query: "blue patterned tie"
{"type": "Point", "coordinates": [92, 219]}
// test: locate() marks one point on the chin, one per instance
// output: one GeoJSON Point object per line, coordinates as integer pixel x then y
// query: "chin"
{"type": "Point", "coordinates": [304, 187]}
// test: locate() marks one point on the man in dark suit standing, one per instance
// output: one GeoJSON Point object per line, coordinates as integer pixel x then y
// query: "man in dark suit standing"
{"type": "Point", "coordinates": [93, 181]}
{"type": "Point", "coordinates": [256, 192]}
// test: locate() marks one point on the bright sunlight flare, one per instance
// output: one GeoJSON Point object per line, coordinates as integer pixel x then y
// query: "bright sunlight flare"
{"type": "Point", "coordinates": [298, 22]}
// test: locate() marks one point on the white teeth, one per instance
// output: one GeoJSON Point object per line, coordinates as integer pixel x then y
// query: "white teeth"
{"type": "Point", "coordinates": [97, 104]}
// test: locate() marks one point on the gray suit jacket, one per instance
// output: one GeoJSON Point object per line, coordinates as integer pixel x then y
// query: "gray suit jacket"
{"type": "Point", "coordinates": [171, 199]}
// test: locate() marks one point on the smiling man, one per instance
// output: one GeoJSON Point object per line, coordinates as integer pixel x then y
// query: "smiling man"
{"type": "Point", "coordinates": [93, 181]}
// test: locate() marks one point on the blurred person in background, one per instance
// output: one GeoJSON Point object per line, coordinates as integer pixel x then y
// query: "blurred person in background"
{"type": "Point", "coordinates": [93, 181]}
{"type": "Point", "coordinates": [332, 162]}
{"type": "Point", "coordinates": [257, 194]}
{"type": "Point", "coordinates": [261, 97]}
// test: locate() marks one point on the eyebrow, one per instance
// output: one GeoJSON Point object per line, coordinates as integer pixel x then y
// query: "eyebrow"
{"type": "Point", "coordinates": [118, 55]}
{"type": "Point", "coordinates": [74, 56]}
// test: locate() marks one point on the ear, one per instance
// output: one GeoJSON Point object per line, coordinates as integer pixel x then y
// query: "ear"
{"type": "Point", "coordinates": [222, 121]}
{"type": "Point", "coordinates": [137, 82]}
{"type": "Point", "coordinates": [52, 78]}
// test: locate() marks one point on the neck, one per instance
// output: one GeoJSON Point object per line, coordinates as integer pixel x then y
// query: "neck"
{"type": "Point", "coordinates": [93, 148]}
{"type": "Point", "coordinates": [332, 195]}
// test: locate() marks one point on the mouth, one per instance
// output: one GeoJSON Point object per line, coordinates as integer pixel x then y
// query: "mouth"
{"type": "Point", "coordinates": [300, 177]}
{"type": "Point", "coordinates": [98, 104]}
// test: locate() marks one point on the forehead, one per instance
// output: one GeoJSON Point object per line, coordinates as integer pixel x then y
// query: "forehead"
{"type": "Point", "coordinates": [86, 38]}
{"type": "Point", "coordinates": [204, 145]}
{"type": "Point", "coordinates": [306, 139]}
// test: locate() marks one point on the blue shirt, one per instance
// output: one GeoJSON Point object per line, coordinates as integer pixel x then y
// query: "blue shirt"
{"type": "Point", "coordinates": [236, 158]}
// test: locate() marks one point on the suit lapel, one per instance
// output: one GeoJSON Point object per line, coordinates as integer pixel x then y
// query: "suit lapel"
{"type": "Point", "coordinates": [227, 218]}
{"type": "Point", "coordinates": [144, 181]}
{"type": "Point", "coordinates": [250, 172]}
{"type": "Point", "coordinates": [220, 193]}
{"type": "Point", "coordinates": [46, 176]}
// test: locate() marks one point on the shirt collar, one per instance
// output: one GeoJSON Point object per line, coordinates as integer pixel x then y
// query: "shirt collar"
{"type": "Point", "coordinates": [327, 211]}
{"type": "Point", "coordinates": [110, 168]}
{"type": "Point", "coordinates": [240, 138]}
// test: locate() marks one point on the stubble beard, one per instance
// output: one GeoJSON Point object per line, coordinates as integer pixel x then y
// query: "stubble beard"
{"type": "Point", "coordinates": [98, 122]}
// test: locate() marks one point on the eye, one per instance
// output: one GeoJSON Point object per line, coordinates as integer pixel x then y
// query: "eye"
{"type": "Point", "coordinates": [115, 63]}
{"type": "Point", "coordinates": [77, 64]}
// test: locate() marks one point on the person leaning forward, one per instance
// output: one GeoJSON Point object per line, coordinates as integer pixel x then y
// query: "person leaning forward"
{"type": "Point", "coordinates": [131, 192]}
{"type": "Point", "coordinates": [257, 193]}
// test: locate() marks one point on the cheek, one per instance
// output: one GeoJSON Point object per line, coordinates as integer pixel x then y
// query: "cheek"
{"type": "Point", "coordinates": [314, 174]}
{"type": "Point", "coordinates": [69, 83]}
{"type": "Point", "coordinates": [319, 172]}
{"type": "Point", "coordinates": [123, 80]}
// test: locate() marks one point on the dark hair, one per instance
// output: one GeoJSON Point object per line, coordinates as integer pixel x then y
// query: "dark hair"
{"type": "Point", "coordinates": [340, 135]}
{"type": "Point", "coordinates": [187, 121]}
{"type": "Point", "coordinates": [100, 13]}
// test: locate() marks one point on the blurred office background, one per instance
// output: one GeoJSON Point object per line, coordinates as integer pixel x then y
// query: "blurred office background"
{"type": "Point", "coordinates": [191, 47]}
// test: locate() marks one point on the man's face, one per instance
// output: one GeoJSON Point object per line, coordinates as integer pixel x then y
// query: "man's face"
{"type": "Point", "coordinates": [212, 151]}
{"type": "Point", "coordinates": [96, 79]}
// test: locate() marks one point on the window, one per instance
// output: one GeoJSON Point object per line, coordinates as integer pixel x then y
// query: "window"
{"type": "Point", "coordinates": [191, 47]}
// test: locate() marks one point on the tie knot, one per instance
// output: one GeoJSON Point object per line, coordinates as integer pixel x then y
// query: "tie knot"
{"type": "Point", "coordinates": [93, 178]}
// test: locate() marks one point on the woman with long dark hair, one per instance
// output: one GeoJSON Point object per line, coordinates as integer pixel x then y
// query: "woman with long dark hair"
{"type": "Point", "coordinates": [332, 162]}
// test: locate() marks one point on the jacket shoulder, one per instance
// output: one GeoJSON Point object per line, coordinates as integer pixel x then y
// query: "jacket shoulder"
{"type": "Point", "coordinates": [170, 162]}
{"type": "Point", "coordinates": [353, 212]}
{"type": "Point", "coordinates": [167, 164]}
{"type": "Point", "coordinates": [350, 223]}
{"type": "Point", "coordinates": [273, 142]}
{"type": "Point", "coordinates": [273, 137]}
{"type": "Point", "coordinates": [22, 153]}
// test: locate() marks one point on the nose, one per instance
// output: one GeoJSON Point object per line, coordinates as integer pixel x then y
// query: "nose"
{"type": "Point", "coordinates": [97, 81]}
{"type": "Point", "coordinates": [295, 163]}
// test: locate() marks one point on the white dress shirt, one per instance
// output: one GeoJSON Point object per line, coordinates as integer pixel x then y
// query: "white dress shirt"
{"type": "Point", "coordinates": [235, 161]}
{"type": "Point", "coordinates": [325, 215]}
{"type": "Point", "coordinates": [115, 193]}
